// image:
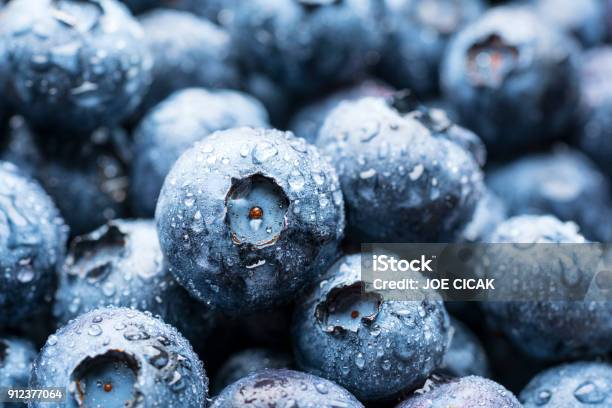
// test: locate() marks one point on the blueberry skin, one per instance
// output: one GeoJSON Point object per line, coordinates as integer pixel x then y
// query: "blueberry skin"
{"type": "Point", "coordinates": [121, 264]}
{"type": "Point", "coordinates": [249, 361]}
{"type": "Point", "coordinates": [596, 106]}
{"type": "Point", "coordinates": [134, 353]}
{"type": "Point", "coordinates": [248, 217]}
{"type": "Point", "coordinates": [390, 349]}
{"type": "Point", "coordinates": [416, 162]}
{"type": "Point", "coordinates": [564, 183]}
{"type": "Point", "coordinates": [465, 355]}
{"type": "Point", "coordinates": [338, 40]}
{"type": "Point", "coordinates": [16, 357]}
{"type": "Point", "coordinates": [489, 213]}
{"type": "Point", "coordinates": [187, 52]}
{"type": "Point", "coordinates": [74, 66]}
{"type": "Point", "coordinates": [418, 32]}
{"type": "Point", "coordinates": [583, 19]}
{"type": "Point", "coordinates": [92, 170]}
{"type": "Point", "coordinates": [276, 388]}
{"type": "Point", "coordinates": [32, 244]}
{"type": "Point", "coordinates": [575, 385]}
{"type": "Point", "coordinates": [175, 125]}
{"type": "Point", "coordinates": [548, 330]}
{"type": "Point", "coordinates": [529, 96]}
{"type": "Point", "coordinates": [466, 392]}
{"type": "Point", "coordinates": [307, 121]}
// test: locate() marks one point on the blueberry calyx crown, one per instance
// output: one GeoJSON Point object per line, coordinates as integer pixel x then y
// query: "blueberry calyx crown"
{"type": "Point", "coordinates": [491, 60]}
{"type": "Point", "coordinates": [106, 245]}
{"type": "Point", "coordinates": [347, 308]}
{"type": "Point", "coordinates": [106, 380]}
{"type": "Point", "coordinates": [256, 211]}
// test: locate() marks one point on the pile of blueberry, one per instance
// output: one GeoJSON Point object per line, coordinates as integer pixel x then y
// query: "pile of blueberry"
{"type": "Point", "coordinates": [184, 185]}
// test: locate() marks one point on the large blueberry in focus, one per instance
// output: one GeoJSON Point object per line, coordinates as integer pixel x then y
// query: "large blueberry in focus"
{"type": "Point", "coordinates": [512, 77]}
{"type": "Point", "coordinates": [373, 347]}
{"type": "Point", "coordinates": [32, 244]}
{"type": "Point", "coordinates": [465, 355]}
{"type": "Point", "coordinates": [412, 163]}
{"type": "Point", "coordinates": [175, 125]}
{"type": "Point", "coordinates": [418, 32]}
{"type": "Point", "coordinates": [247, 362]}
{"type": "Point", "coordinates": [466, 392]}
{"type": "Point", "coordinates": [284, 388]}
{"type": "Point", "coordinates": [306, 45]}
{"type": "Point", "coordinates": [547, 329]}
{"type": "Point", "coordinates": [16, 357]}
{"type": "Point", "coordinates": [564, 183]}
{"type": "Point", "coordinates": [307, 121]}
{"type": "Point", "coordinates": [74, 65]}
{"type": "Point", "coordinates": [88, 178]}
{"type": "Point", "coordinates": [116, 357]}
{"type": "Point", "coordinates": [121, 264]}
{"type": "Point", "coordinates": [187, 51]}
{"type": "Point", "coordinates": [584, 19]}
{"type": "Point", "coordinates": [596, 106]}
{"type": "Point", "coordinates": [575, 385]}
{"type": "Point", "coordinates": [248, 217]}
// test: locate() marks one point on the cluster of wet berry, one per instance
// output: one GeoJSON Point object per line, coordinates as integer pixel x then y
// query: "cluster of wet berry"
{"type": "Point", "coordinates": [184, 185]}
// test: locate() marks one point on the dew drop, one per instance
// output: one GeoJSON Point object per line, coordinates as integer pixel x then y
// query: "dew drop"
{"type": "Point", "coordinates": [589, 393]}
{"type": "Point", "coordinates": [263, 152]}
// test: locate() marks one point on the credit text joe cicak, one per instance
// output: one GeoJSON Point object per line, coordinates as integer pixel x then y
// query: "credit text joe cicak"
{"type": "Point", "coordinates": [423, 264]}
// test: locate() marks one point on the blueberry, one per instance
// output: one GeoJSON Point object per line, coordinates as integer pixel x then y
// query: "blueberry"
{"type": "Point", "coordinates": [564, 183]}
{"type": "Point", "coordinates": [247, 362]}
{"type": "Point", "coordinates": [247, 217]}
{"type": "Point", "coordinates": [92, 170]}
{"type": "Point", "coordinates": [584, 19]}
{"type": "Point", "coordinates": [306, 45]}
{"type": "Point", "coordinates": [176, 124]}
{"type": "Point", "coordinates": [597, 106]}
{"type": "Point", "coordinates": [32, 241]}
{"type": "Point", "coordinates": [308, 120]}
{"type": "Point", "coordinates": [375, 348]}
{"type": "Point", "coordinates": [489, 213]}
{"type": "Point", "coordinates": [392, 159]}
{"type": "Point", "coordinates": [284, 388]}
{"type": "Point", "coordinates": [121, 264]}
{"type": "Point", "coordinates": [74, 65]}
{"type": "Point", "coordinates": [187, 52]}
{"type": "Point", "coordinates": [466, 392]}
{"type": "Point", "coordinates": [16, 357]}
{"type": "Point", "coordinates": [547, 329]}
{"type": "Point", "coordinates": [512, 78]}
{"type": "Point", "coordinates": [418, 32]}
{"type": "Point", "coordinates": [115, 357]}
{"type": "Point", "coordinates": [465, 355]}
{"type": "Point", "coordinates": [575, 385]}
